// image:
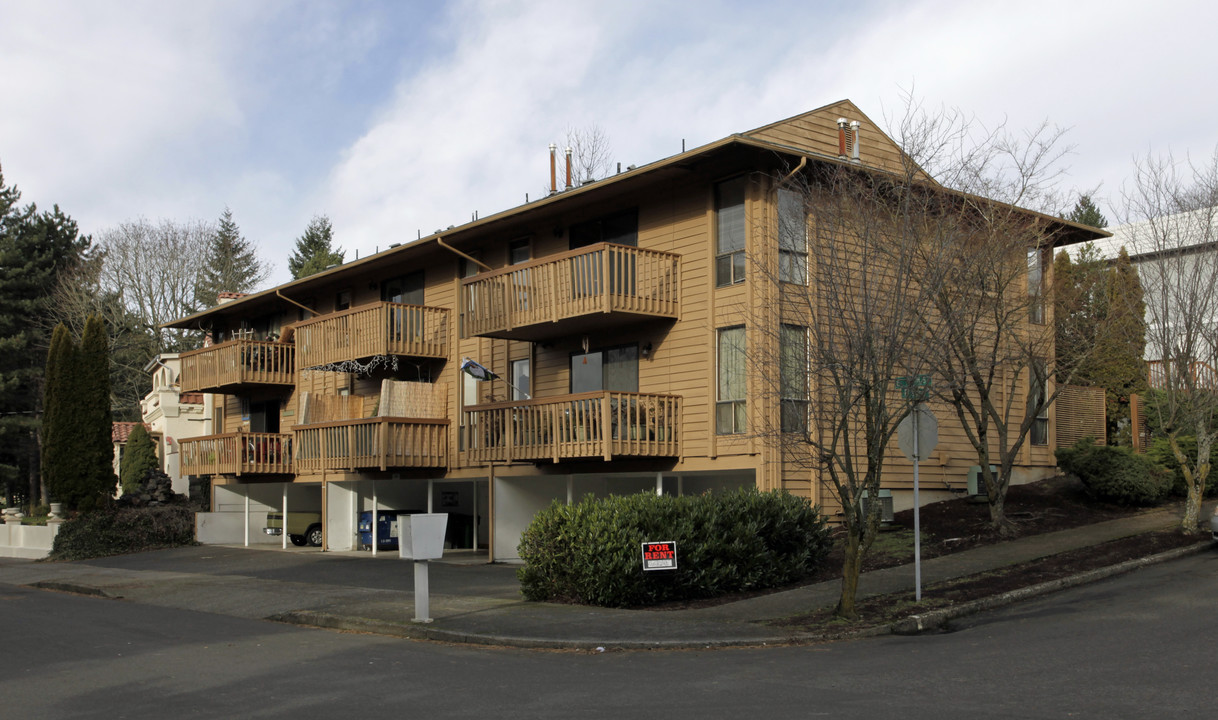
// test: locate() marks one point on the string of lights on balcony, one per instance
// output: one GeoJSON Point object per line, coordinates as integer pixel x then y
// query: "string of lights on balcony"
{"type": "Point", "coordinates": [389, 362]}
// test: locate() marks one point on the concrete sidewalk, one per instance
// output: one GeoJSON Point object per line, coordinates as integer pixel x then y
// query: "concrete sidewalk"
{"type": "Point", "coordinates": [481, 603]}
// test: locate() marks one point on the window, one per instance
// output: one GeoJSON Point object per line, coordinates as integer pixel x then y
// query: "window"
{"type": "Point", "coordinates": [521, 388]}
{"type": "Point", "coordinates": [1037, 392]}
{"type": "Point", "coordinates": [730, 410]}
{"type": "Point", "coordinates": [793, 378]}
{"type": "Point", "coordinates": [468, 268]}
{"type": "Point", "coordinates": [729, 232]}
{"type": "Point", "coordinates": [1037, 259]}
{"type": "Point", "coordinates": [621, 228]}
{"type": "Point", "coordinates": [518, 251]}
{"type": "Point", "coordinates": [792, 238]}
{"type": "Point", "coordinates": [406, 289]}
{"type": "Point", "coordinates": [614, 368]}
{"type": "Point", "coordinates": [342, 300]}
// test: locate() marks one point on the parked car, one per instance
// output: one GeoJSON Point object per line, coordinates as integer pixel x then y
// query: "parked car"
{"type": "Point", "coordinates": [304, 528]}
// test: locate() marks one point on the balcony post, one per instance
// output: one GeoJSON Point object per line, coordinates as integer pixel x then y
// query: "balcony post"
{"type": "Point", "coordinates": [383, 433]}
{"type": "Point", "coordinates": [606, 258]}
{"type": "Point", "coordinates": [606, 427]}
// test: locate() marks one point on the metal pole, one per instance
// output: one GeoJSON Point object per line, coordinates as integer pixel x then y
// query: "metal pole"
{"type": "Point", "coordinates": [247, 516]}
{"type": "Point", "coordinates": [422, 601]}
{"type": "Point", "coordinates": [285, 516]}
{"type": "Point", "coordinates": [375, 513]}
{"type": "Point", "coordinates": [917, 453]}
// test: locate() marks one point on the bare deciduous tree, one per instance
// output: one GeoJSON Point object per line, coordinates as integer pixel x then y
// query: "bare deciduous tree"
{"type": "Point", "coordinates": [848, 278]}
{"type": "Point", "coordinates": [1171, 220]}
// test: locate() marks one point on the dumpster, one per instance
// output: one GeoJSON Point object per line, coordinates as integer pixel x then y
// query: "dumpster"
{"type": "Point", "coordinates": [386, 529]}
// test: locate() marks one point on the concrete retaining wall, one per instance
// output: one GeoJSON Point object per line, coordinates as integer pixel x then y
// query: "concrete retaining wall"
{"type": "Point", "coordinates": [27, 541]}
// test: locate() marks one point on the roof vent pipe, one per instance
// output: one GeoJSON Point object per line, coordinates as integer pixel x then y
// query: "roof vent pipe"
{"type": "Point", "coordinates": [854, 141]}
{"type": "Point", "coordinates": [841, 138]}
{"type": "Point", "coordinates": [553, 174]}
{"type": "Point", "coordinates": [568, 168]}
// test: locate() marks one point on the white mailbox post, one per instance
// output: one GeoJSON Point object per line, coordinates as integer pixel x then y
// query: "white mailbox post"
{"type": "Point", "coordinates": [421, 538]}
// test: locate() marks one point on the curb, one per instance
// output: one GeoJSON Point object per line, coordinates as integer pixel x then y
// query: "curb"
{"type": "Point", "coordinates": [74, 588]}
{"type": "Point", "coordinates": [413, 631]}
{"type": "Point", "coordinates": [936, 620]}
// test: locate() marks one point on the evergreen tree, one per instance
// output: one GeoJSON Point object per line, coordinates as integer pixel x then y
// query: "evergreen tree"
{"type": "Point", "coordinates": [314, 250]}
{"type": "Point", "coordinates": [1086, 213]}
{"type": "Point", "coordinates": [96, 459]}
{"type": "Point", "coordinates": [1091, 292]}
{"type": "Point", "coordinates": [59, 393]}
{"type": "Point", "coordinates": [139, 456]}
{"type": "Point", "coordinates": [232, 264]}
{"type": "Point", "coordinates": [35, 248]}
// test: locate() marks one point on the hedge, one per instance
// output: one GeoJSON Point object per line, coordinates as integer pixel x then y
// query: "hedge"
{"type": "Point", "coordinates": [1160, 452]}
{"type": "Point", "coordinates": [591, 552]}
{"type": "Point", "coordinates": [112, 531]}
{"type": "Point", "coordinates": [1116, 474]}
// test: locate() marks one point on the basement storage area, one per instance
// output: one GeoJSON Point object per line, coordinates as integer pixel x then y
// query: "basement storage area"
{"type": "Point", "coordinates": [350, 505]}
{"type": "Point", "coordinates": [519, 498]}
{"type": "Point", "coordinates": [240, 510]}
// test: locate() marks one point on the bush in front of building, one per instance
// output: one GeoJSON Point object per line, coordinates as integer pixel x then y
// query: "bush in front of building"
{"type": "Point", "coordinates": [591, 552]}
{"type": "Point", "coordinates": [139, 457]}
{"type": "Point", "coordinates": [119, 531]}
{"type": "Point", "coordinates": [1116, 474]}
{"type": "Point", "coordinates": [1160, 452]}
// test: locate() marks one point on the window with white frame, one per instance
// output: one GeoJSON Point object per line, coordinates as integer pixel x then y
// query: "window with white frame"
{"type": "Point", "coordinates": [731, 408]}
{"type": "Point", "coordinates": [729, 231]}
{"type": "Point", "coordinates": [521, 379]}
{"type": "Point", "coordinates": [793, 378]}
{"type": "Point", "coordinates": [792, 237]}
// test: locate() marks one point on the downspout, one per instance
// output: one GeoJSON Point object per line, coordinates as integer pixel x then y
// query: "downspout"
{"type": "Point", "coordinates": [474, 260]}
{"type": "Point", "coordinates": [803, 160]}
{"type": "Point", "coordinates": [281, 296]}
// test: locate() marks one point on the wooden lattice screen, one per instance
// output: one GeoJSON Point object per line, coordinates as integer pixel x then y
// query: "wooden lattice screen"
{"type": "Point", "coordinates": [1081, 414]}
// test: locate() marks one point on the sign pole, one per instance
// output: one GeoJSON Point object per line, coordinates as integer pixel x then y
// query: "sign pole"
{"type": "Point", "coordinates": [917, 519]}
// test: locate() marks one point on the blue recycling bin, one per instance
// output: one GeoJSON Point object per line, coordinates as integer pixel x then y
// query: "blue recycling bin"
{"type": "Point", "coordinates": [386, 528]}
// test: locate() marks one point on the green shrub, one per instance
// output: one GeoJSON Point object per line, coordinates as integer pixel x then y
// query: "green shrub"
{"type": "Point", "coordinates": [591, 552]}
{"type": "Point", "coordinates": [1115, 474]}
{"type": "Point", "coordinates": [1160, 452]}
{"type": "Point", "coordinates": [139, 456]}
{"type": "Point", "coordinates": [111, 531]}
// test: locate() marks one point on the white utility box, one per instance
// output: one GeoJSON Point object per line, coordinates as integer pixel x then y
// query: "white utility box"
{"type": "Point", "coordinates": [421, 536]}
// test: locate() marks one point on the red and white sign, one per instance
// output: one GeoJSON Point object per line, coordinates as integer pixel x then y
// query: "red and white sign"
{"type": "Point", "coordinates": [661, 555]}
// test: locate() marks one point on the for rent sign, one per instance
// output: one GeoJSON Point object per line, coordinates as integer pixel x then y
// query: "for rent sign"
{"type": "Point", "coordinates": [660, 555]}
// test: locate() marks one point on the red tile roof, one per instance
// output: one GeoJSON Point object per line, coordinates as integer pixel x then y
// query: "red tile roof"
{"type": "Point", "coordinates": [120, 431]}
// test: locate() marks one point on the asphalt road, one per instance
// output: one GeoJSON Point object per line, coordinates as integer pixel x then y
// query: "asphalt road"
{"type": "Point", "coordinates": [1139, 646]}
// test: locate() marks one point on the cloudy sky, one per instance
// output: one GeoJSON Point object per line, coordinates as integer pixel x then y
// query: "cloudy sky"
{"type": "Point", "coordinates": [399, 117]}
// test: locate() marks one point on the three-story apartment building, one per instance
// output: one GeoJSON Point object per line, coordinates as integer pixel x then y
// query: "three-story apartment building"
{"type": "Point", "coordinates": [616, 315]}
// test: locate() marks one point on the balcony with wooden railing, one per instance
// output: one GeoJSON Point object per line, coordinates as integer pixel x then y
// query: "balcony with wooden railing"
{"type": "Point", "coordinates": [231, 366]}
{"type": "Point", "coordinates": [1202, 375]}
{"type": "Point", "coordinates": [604, 425]}
{"type": "Point", "coordinates": [239, 453]}
{"type": "Point", "coordinates": [380, 443]}
{"type": "Point", "coordinates": [379, 329]}
{"type": "Point", "coordinates": [598, 286]}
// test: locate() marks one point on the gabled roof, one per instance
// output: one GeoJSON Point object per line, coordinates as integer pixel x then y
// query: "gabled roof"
{"type": "Point", "coordinates": [812, 135]}
{"type": "Point", "coordinates": [1193, 231]}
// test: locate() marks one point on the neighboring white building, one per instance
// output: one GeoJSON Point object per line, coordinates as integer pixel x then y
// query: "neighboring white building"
{"type": "Point", "coordinates": [171, 415]}
{"type": "Point", "coordinates": [1177, 261]}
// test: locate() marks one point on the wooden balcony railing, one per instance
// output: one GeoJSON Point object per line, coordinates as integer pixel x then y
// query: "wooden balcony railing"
{"type": "Point", "coordinates": [379, 442]}
{"type": "Point", "coordinates": [238, 362]}
{"type": "Point", "coordinates": [1202, 377]}
{"type": "Point", "coordinates": [598, 279]}
{"type": "Point", "coordinates": [370, 330]}
{"type": "Point", "coordinates": [237, 453]}
{"type": "Point", "coordinates": [588, 425]}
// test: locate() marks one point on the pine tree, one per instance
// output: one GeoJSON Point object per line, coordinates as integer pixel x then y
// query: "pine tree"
{"type": "Point", "coordinates": [35, 249]}
{"type": "Point", "coordinates": [232, 264]}
{"type": "Point", "coordinates": [139, 456]}
{"type": "Point", "coordinates": [314, 250]}
{"type": "Point", "coordinates": [96, 459]}
{"type": "Point", "coordinates": [1086, 213]}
